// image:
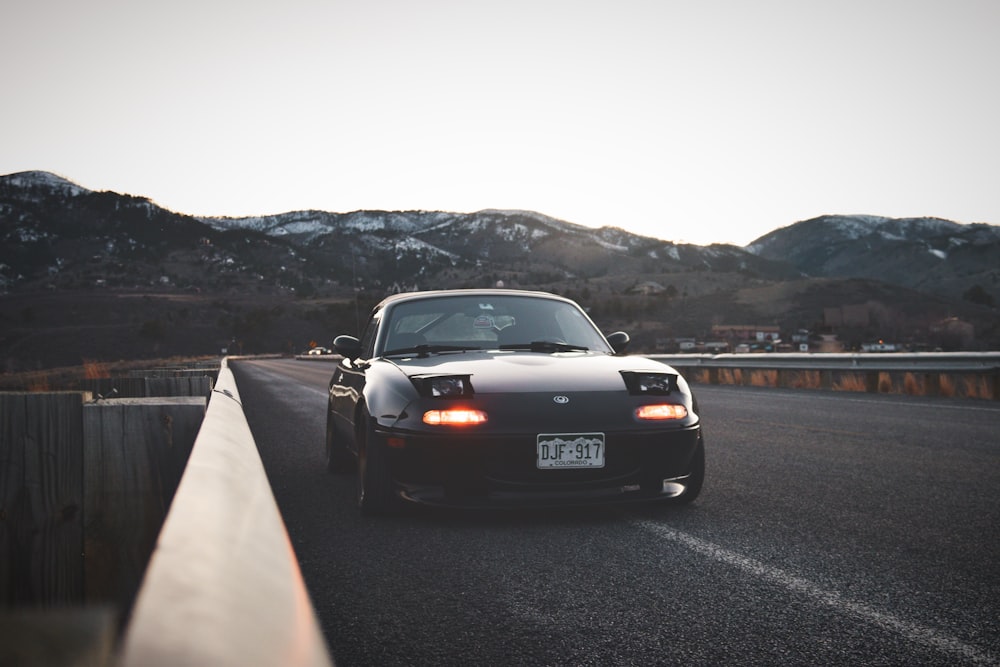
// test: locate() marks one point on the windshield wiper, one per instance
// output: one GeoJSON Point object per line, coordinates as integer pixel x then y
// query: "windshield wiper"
{"type": "Point", "coordinates": [545, 346]}
{"type": "Point", "coordinates": [425, 350]}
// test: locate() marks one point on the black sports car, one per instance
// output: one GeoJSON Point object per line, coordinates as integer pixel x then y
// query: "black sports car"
{"type": "Point", "coordinates": [504, 398]}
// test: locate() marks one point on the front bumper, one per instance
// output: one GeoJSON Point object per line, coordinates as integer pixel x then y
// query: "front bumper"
{"type": "Point", "coordinates": [501, 472]}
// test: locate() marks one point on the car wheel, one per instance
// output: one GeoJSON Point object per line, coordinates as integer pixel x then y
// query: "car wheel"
{"type": "Point", "coordinates": [338, 458]}
{"type": "Point", "coordinates": [695, 479]}
{"type": "Point", "coordinates": [374, 479]}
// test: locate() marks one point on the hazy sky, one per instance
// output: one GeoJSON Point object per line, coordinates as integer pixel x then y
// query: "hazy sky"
{"type": "Point", "coordinates": [700, 121]}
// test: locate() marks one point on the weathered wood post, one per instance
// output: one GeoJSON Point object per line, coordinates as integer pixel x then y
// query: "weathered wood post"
{"type": "Point", "coordinates": [136, 450]}
{"type": "Point", "coordinates": [41, 498]}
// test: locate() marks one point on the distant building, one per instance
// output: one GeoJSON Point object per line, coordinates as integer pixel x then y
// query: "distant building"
{"type": "Point", "coordinates": [686, 344]}
{"type": "Point", "coordinates": [801, 337]}
{"type": "Point", "coordinates": [746, 332]}
{"type": "Point", "coordinates": [880, 346]}
{"type": "Point", "coordinates": [826, 343]}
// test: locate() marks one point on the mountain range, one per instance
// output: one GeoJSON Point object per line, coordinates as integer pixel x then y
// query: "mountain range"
{"type": "Point", "coordinates": [62, 241]}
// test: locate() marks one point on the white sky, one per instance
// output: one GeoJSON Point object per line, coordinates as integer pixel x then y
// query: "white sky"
{"type": "Point", "coordinates": [700, 121]}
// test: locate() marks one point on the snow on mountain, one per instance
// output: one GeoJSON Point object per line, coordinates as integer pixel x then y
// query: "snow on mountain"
{"type": "Point", "coordinates": [844, 228]}
{"type": "Point", "coordinates": [855, 226]}
{"type": "Point", "coordinates": [310, 225]}
{"type": "Point", "coordinates": [46, 180]}
{"type": "Point", "coordinates": [532, 215]}
{"type": "Point", "coordinates": [914, 252]}
{"type": "Point", "coordinates": [299, 222]}
{"type": "Point", "coordinates": [411, 245]}
{"type": "Point", "coordinates": [893, 250]}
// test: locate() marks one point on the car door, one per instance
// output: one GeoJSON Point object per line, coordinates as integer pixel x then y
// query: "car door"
{"type": "Point", "coordinates": [348, 383]}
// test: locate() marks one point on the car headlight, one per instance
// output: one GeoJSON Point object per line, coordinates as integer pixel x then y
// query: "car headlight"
{"type": "Point", "coordinates": [649, 382]}
{"type": "Point", "coordinates": [455, 417]}
{"type": "Point", "coordinates": [443, 386]}
{"type": "Point", "coordinates": [660, 412]}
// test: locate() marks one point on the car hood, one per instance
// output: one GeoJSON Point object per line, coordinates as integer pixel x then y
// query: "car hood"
{"type": "Point", "coordinates": [516, 371]}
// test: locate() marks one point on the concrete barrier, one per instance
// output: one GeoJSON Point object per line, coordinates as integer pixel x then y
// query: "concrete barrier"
{"type": "Point", "coordinates": [223, 586]}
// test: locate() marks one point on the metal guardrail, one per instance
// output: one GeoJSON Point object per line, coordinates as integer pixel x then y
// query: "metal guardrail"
{"type": "Point", "coordinates": [964, 374]}
{"type": "Point", "coordinates": [914, 361]}
{"type": "Point", "coordinates": [223, 586]}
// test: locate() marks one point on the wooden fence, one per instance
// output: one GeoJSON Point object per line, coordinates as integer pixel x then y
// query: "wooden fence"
{"type": "Point", "coordinates": [84, 488]}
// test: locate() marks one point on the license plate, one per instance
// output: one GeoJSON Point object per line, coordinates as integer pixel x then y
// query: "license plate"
{"type": "Point", "coordinates": [570, 450]}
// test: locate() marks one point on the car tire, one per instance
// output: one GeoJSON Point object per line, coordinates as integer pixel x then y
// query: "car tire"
{"type": "Point", "coordinates": [338, 458]}
{"type": "Point", "coordinates": [695, 479]}
{"type": "Point", "coordinates": [374, 478]}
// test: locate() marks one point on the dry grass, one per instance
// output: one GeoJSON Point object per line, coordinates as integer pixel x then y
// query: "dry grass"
{"type": "Point", "coordinates": [38, 382]}
{"type": "Point", "coordinates": [96, 370]}
{"type": "Point", "coordinates": [979, 387]}
{"type": "Point", "coordinates": [806, 380]}
{"type": "Point", "coordinates": [850, 382]}
{"type": "Point", "coordinates": [70, 377]}
{"type": "Point", "coordinates": [697, 376]}
{"type": "Point", "coordinates": [730, 376]}
{"type": "Point", "coordinates": [947, 385]}
{"type": "Point", "coordinates": [768, 378]}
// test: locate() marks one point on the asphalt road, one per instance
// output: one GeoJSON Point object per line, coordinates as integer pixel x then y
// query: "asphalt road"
{"type": "Point", "coordinates": [834, 528]}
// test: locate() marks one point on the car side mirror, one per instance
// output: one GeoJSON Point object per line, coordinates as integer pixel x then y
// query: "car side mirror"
{"type": "Point", "coordinates": [347, 346]}
{"type": "Point", "coordinates": [619, 340]}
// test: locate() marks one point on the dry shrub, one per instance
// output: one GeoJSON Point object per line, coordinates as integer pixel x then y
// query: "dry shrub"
{"type": "Point", "coordinates": [807, 380]}
{"type": "Point", "coordinates": [698, 376]}
{"type": "Point", "coordinates": [38, 382]}
{"type": "Point", "coordinates": [978, 387]}
{"type": "Point", "coordinates": [766, 378]}
{"type": "Point", "coordinates": [95, 370]}
{"type": "Point", "coordinates": [728, 376]}
{"type": "Point", "coordinates": [912, 385]}
{"type": "Point", "coordinates": [946, 386]}
{"type": "Point", "coordinates": [850, 382]}
{"type": "Point", "coordinates": [884, 383]}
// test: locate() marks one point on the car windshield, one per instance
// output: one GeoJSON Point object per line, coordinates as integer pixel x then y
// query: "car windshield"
{"type": "Point", "coordinates": [489, 322]}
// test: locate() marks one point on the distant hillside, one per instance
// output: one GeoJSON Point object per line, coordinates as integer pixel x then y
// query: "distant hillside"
{"type": "Point", "coordinates": [87, 274]}
{"type": "Point", "coordinates": [60, 234]}
{"type": "Point", "coordinates": [926, 254]}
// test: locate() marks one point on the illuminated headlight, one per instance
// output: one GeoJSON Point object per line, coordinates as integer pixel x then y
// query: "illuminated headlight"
{"type": "Point", "coordinates": [660, 412]}
{"type": "Point", "coordinates": [655, 383]}
{"type": "Point", "coordinates": [455, 417]}
{"type": "Point", "coordinates": [443, 386]}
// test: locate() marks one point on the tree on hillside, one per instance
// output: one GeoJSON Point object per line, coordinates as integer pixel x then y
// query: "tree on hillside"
{"type": "Point", "coordinates": [976, 294]}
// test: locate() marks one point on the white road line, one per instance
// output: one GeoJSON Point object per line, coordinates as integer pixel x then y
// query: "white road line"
{"type": "Point", "coordinates": [911, 631]}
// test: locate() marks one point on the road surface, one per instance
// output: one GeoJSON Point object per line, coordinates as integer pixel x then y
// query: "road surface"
{"type": "Point", "coordinates": [834, 528]}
